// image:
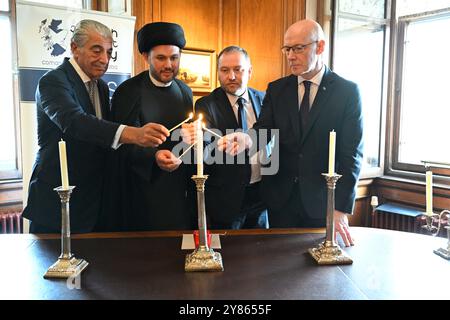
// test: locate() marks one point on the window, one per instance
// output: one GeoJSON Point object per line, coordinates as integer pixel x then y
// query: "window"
{"type": "Point", "coordinates": [78, 4]}
{"type": "Point", "coordinates": [122, 7]}
{"type": "Point", "coordinates": [10, 156]}
{"type": "Point", "coordinates": [359, 55]}
{"type": "Point", "coordinates": [422, 98]}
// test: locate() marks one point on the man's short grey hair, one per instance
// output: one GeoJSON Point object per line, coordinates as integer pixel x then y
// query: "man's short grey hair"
{"type": "Point", "coordinates": [85, 27]}
{"type": "Point", "coordinates": [234, 49]}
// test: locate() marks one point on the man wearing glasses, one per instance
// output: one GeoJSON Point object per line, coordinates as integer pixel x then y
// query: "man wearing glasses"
{"type": "Point", "coordinates": [305, 106]}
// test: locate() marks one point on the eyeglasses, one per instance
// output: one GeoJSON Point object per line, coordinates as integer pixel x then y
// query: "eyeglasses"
{"type": "Point", "coordinates": [296, 49]}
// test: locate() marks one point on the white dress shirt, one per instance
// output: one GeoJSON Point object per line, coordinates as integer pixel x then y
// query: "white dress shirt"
{"type": "Point", "coordinates": [315, 83]}
{"type": "Point", "coordinates": [97, 105]}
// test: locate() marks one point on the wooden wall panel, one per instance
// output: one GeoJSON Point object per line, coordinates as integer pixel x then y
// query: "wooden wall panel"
{"type": "Point", "coordinates": [261, 33]}
{"type": "Point", "coordinates": [230, 23]}
{"type": "Point", "coordinates": [256, 25]}
{"type": "Point", "coordinates": [199, 19]}
{"type": "Point", "coordinates": [143, 11]}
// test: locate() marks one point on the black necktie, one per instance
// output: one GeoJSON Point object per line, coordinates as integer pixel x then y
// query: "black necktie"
{"type": "Point", "coordinates": [304, 106]}
{"type": "Point", "coordinates": [242, 117]}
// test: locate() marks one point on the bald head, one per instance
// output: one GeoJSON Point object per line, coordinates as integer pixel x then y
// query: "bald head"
{"type": "Point", "coordinates": [309, 37]}
{"type": "Point", "coordinates": [304, 31]}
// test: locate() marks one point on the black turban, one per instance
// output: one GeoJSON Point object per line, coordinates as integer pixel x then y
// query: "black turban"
{"type": "Point", "coordinates": [160, 33]}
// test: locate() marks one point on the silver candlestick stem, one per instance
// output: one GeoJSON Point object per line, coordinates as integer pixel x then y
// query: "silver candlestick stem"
{"type": "Point", "coordinates": [67, 265]}
{"type": "Point", "coordinates": [203, 258]}
{"type": "Point", "coordinates": [329, 251]}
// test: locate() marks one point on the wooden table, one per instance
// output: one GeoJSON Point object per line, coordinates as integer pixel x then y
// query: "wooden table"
{"type": "Point", "coordinates": [267, 264]}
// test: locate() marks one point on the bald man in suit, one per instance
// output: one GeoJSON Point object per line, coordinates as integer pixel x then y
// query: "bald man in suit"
{"type": "Point", "coordinates": [305, 106]}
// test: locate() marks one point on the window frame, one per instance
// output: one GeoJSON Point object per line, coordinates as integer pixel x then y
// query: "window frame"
{"type": "Point", "coordinates": [377, 171]}
{"type": "Point", "coordinates": [394, 166]}
{"type": "Point", "coordinates": [16, 174]}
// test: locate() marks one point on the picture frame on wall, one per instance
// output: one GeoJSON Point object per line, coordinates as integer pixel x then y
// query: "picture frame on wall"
{"type": "Point", "coordinates": [198, 69]}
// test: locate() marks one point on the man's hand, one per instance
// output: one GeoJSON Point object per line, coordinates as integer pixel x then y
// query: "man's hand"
{"type": "Point", "coordinates": [189, 132]}
{"type": "Point", "coordinates": [149, 135]}
{"type": "Point", "coordinates": [234, 143]}
{"type": "Point", "coordinates": [341, 226]}
{"type": "Point", "coordinates": [167, 161]}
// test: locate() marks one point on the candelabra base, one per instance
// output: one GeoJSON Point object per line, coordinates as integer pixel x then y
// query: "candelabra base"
{"type": "Point", "coordinates": [444, 253]}
{"type": "Point", "coordinates": [329, 255]}
{"type": "Point", "coordinates": [203, 259]}
{"type": "Point", "coordinates": [66, 268]}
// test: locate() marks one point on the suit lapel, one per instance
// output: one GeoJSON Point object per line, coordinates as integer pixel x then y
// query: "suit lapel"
{"type": "Point", "coordinates": [226, 109]}
{"type": "Point", "coordinates": [320, 102]}
{"type": "Point", "coordinates": [104, 100]}
{"type": "Point", "coordinates": [255, 101]}
{"type": "Point", "coordinates": [290, 100]}
{"type": "Point", "coordinates": [79, 88]}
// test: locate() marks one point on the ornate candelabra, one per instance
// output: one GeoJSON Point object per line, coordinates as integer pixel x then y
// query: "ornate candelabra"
{"type": "Point", "coordinates": [430, 216]}
{"type": "Point", "coordinates": [203, 258]}
{"type": "Point", "coordinates": [67, 265]}
{"type": "Point", "coordinates": [329, 252]}
{"type": "Point", "coordinates": [431, 228]}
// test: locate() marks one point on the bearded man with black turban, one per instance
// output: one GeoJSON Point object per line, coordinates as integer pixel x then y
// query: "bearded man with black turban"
{"type": "Point", "coordinates": [150, 187]}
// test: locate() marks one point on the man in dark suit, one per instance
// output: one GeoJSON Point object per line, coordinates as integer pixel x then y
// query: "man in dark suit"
{"type": "Point", "coordinates": [232, 190]}
{"type": "Point", "coordinates": [153, 186]}
{"type": "Point", "coordinates": [305, 107]}
{"type": "Point", "coordinates": [73, 105]}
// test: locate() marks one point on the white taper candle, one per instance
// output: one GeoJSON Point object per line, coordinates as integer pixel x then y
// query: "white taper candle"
{"type": "Point", "coordinates": [199, 146]}
{"type": "Point", "coordinates": [63, 164]}
{"type": "Point", "coordinates": [331, 152]}
{"type": "Point", "coordinates": [429, 192]}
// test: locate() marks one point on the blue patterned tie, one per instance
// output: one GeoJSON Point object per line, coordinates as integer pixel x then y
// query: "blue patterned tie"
{"type": "Point", "coordinates": [242, 116]}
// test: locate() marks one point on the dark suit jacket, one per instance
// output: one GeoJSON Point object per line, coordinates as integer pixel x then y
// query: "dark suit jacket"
{"type": "Point", "coordinates": [304, 155]}
{"type": "Point", "coordinates": [226, 183]}
{"type": "Point", "coordinates": [64, 111]}
{"type": "Point", "coordinates": [139, 194]}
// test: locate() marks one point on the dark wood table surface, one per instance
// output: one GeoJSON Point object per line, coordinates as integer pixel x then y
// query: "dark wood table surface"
{"type": "Point", "coordinates": [267, 264]}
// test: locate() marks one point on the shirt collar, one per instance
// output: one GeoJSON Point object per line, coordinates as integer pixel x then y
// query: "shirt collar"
{"type": "Point", "coordinates": [233, 99]}
{"type": "Point", "coordinates": [317, 79]}
{"type": "Point", "coordinates": [84, 77]}
{"type": "Point", "coordinates": [158, 83]}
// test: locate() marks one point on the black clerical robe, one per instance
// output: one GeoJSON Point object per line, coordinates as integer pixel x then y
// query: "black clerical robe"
{"type": "Point", "coordinates": [141, 196]}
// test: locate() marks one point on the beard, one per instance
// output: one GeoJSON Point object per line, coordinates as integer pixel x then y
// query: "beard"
{"type": "Point", "coordinates": [158, 74]}
{"type": "Point", "coordinates": [234, 88]}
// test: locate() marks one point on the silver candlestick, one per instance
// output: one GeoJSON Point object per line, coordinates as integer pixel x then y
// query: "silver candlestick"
{"type": "Point", "coordinates": [67, 265]}
{"type": "Point", "coordinates": [203, 258]}
{"type": "Point", "coordinates": [329, 252]}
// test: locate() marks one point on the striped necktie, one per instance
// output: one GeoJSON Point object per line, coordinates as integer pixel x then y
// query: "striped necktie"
{"type": "Point", "coordinates": [92, 85]}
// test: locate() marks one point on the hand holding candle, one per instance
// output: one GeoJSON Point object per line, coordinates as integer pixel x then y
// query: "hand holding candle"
{"type": "Point", "coordinates": [331, 153]}
{"type": "Point", "coordinates": [429, 192]}
{"type": "Point", "coordinates": [63, 165]}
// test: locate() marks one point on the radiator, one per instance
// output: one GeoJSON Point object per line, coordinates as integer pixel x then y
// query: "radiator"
{"type": "Point", "coordinates": [10, 222]}
{"type": "Point", "coordinates": [383, 220]}
{"type": "Point", "coordinates": [402, 218]}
